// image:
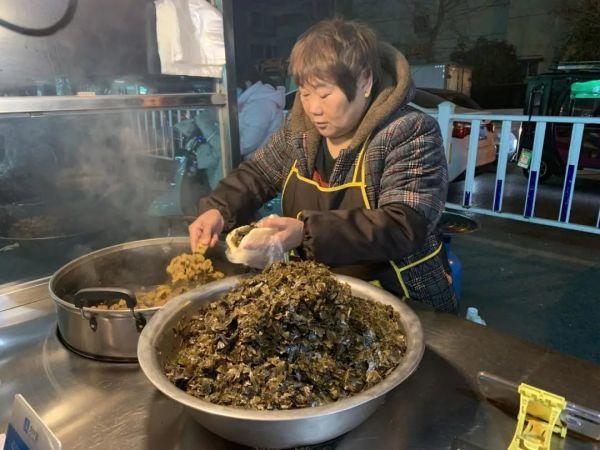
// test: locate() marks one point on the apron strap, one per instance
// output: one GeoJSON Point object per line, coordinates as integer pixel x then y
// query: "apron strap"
{"type": "Point", "coordinates": [399, 270]}
{"type": "Point", "coordinates": [359, 169]}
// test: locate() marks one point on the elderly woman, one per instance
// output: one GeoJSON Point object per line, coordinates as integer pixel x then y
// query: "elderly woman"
{"type": "Point", "coordinates": [363, 175]}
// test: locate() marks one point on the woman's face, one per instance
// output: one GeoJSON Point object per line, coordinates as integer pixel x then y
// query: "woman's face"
{"type": "Point", "coordinates": [328, 108]}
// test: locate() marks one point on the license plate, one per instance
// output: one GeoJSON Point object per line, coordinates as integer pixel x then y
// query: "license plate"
{"type": "Point", "coordinates": [525, 159]}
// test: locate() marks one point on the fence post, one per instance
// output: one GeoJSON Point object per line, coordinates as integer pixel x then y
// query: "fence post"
{"type": "Point", "coordinates": [445, 111]}
{"type": "Point", "coordinates": [571, 172]}
{"type": "Point", "coordinates": [534, 169]}
{"type": "Point", "coordinates": [471, 161]}
{"type": "Point", "coordinates": [501, 165]}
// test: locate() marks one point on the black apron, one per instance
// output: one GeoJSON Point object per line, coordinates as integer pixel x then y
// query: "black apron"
{"type": "Point", "coordinates": [300, 194]}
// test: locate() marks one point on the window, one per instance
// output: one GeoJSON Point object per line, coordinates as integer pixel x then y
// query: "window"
{"type": "Point", "coordinates": [462, 100]}
{"type": "Point", "coordinates": [586, 107]}
{"type": "Point", "coordinates": [530, 66]}
{"type": "Point", "coordinates": [579, 107]}
{"type": "Point", "coordinates": [425, 99]}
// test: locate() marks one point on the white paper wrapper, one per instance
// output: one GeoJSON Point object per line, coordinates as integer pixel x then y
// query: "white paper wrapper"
{"type": "Point", "coordinates": [268, 249]}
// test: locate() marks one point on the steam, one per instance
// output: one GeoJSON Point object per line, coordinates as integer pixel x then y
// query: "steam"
{"type": "Point", "coordinates": [101, 169]}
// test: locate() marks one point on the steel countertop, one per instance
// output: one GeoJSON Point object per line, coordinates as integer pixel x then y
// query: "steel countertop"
{"type": "Point", "coordinates": [94, 405]}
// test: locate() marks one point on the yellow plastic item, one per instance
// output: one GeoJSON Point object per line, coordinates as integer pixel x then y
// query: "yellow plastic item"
{"type": "Point", "coordinates": [539, 413]}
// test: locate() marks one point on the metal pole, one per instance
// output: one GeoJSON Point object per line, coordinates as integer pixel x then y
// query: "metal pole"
{"type": "Point", "coordinates": [180, 145]}
{"type": "Point", "coordinates": [155, 143]}
{"type": "Point", "coordinates": [163, 143]}
{"type": "Point", "coordinates": [147, 133]}
{"type": "Point", "coordinates": [228, 117]}
{"type": "Point", "coordinates": [571, 172]}
{"type": "Point", "coordinates": [471, 162]}
{"type": "Point", "coordinates": [501, 168]}
{"type": "Point", "coordinates": [171, 135]}
{"type": "Point", "coordinates": [445, 111]}
{"type": "Point", "coordinates": [534, 168]}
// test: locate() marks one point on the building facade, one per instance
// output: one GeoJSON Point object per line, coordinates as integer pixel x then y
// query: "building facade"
{"type": "Point", "coordinates": [425, 30]}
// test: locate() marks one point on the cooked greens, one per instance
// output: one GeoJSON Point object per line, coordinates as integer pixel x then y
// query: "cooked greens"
{"type": "Point", "coordinates": [290, 337]}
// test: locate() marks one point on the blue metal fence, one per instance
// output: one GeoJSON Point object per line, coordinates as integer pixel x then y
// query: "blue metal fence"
{"type": "Point", "coordinates": [446, 116]}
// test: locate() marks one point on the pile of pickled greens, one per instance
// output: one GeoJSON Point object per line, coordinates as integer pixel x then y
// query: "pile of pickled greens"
{"type": "Point", "coordinates": [290, 337]}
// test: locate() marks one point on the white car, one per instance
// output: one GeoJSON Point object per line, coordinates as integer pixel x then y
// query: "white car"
{"type": "Point", "coordinates": [459, 145]}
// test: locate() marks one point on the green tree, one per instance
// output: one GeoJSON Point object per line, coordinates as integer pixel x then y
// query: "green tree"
{"type": "Point", "coordinates": [582, 18]}
{"type": "Point", "coordinates": [493, 62]}
{"type": "Point", "coordinates": [428, 18]}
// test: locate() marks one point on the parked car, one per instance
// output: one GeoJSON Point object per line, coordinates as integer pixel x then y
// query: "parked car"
{"type": "Point", "coordinates": [428, 102]}
{"type": "Point", "coordinates": [549, 94]}
{"type": "Point", "coordinates": [465, 101]}
{"type": "Point", "coordinates": [458, 98]}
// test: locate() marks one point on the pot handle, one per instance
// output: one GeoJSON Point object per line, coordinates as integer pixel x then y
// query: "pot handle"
{"type": "Point", "coordinates": [92, 296]}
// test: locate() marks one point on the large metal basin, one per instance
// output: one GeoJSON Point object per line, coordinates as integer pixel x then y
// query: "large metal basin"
{"type": "Point", "coordinates": [133, 265]}
{"type": "Point", "coordinates": [273, 429]}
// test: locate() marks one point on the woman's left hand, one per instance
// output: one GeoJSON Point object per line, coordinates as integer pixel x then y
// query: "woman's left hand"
{"type": "Point", "coordinates": [290, 232]}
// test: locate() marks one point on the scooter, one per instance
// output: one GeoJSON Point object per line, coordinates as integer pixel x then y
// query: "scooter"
{"type": "Point", "coordinates": [189, 183]}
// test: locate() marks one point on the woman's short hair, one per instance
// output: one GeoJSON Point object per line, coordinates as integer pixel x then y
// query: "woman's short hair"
{"type": "Point", "coordinates": [337, 51]}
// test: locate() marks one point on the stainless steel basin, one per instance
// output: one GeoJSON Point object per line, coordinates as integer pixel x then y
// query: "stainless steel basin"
{"type": "Point", "coordinates": [273, 429]}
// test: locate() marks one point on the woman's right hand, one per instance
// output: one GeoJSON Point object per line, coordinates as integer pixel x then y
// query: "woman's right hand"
{"type": "Point", "coordinates": [206, 229]}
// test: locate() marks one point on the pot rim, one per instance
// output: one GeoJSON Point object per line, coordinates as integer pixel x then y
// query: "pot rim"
{"type": "Point", "coordinates": [148, 358]}
{"type": "Point", "coordinates": [72, 265]}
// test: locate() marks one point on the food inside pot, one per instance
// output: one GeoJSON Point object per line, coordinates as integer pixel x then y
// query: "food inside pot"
{"type": "Point", "coordinates": [41, 226]}
{"type": "Point", "coordinates": [186, 272]}
{"type": "Point", "coordinates": [290, 337]}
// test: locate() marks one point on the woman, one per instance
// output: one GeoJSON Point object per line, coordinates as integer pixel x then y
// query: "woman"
{"type": "Point", "coordinates": [363, 175]}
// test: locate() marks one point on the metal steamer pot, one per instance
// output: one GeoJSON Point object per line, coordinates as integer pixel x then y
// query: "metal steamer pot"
{"type": "Point", "coordinates": [273, 429]}
{"type": "Point", "coordinates": [112, 335]}
{"type": "Point", "coordinates": [68, 224]}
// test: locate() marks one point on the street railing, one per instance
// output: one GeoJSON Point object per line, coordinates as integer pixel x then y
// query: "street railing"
{"type": "Point", "coordinates": [157, 132]}
{"type": "Point", "coordinates": [160, 138]}
{"type": "Point", "coordinates": [446, 116]}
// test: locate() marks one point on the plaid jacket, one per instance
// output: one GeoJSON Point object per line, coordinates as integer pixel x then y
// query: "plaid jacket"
{"type": "Point", "coordinates": [406, 183]}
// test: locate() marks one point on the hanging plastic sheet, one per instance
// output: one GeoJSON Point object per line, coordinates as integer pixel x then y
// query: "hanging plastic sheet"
{"type": "Point", "coordinates": [190, 38]}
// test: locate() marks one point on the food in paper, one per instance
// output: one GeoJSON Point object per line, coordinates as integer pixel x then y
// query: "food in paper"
{"type": "Point", "coordinates": [265, 248]}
